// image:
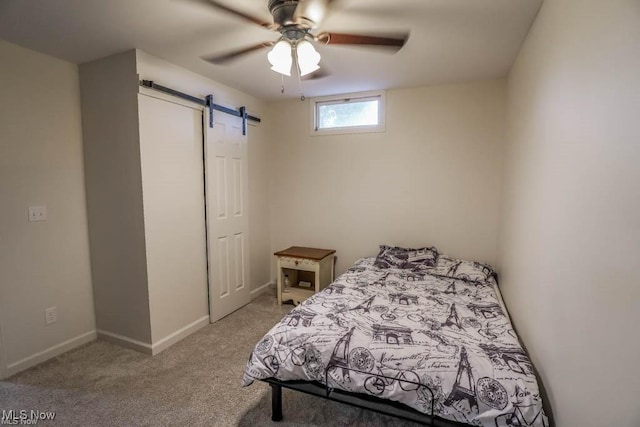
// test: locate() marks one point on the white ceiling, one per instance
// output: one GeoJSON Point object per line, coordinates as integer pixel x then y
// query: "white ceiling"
{"type": "Point", "coordinates": [450, 40]}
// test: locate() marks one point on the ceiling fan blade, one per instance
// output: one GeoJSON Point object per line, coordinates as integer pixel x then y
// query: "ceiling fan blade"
{"type": "Point", "coordinates": [357, 39]}
{"type": "Point", "coordinates": [316, 75]}
{"type": "Point", "coordinates": [223, 58]}
{"type": "Point", "coordinates": [220, 6]}
{"type": "Point", "coordinates": [311, 11]}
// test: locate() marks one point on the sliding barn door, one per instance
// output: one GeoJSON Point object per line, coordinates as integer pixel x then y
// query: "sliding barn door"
{"type": "Point", "coordinates": [227, 215]}
{"type": "Point", "coordinates": [174, 214]}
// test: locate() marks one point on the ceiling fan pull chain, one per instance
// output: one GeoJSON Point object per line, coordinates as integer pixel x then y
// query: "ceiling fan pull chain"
{"type": "Point", "coordinates": [282, 87]}
{"type": "Point", "coordinates": [302, 98]}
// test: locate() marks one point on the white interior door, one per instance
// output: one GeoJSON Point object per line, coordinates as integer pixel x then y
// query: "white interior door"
{"type": "Point", "coordinates": [227, 215]}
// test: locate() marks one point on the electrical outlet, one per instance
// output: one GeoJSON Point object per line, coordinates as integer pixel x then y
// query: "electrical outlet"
{"type": "Point", "coordinates": [37, 213]}
{"type": "Point", "coordinates": [51, 315]}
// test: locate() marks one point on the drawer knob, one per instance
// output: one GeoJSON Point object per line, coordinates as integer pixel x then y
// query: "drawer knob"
{"type": "Point", "coordinates": [296, 262]}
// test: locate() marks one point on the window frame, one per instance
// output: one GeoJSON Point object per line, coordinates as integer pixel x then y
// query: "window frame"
{"type": "Point", "coordinates": [345, 98]}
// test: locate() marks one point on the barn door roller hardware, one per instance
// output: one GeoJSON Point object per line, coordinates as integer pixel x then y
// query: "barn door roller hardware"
{"type": "Point", "coordinates": [207, 102]}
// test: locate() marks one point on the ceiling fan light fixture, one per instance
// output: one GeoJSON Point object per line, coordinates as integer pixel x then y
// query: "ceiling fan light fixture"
{"type": "Point", "coordinates": [308, 57]}
{"type": "Point", "coordinates": [280, 58]}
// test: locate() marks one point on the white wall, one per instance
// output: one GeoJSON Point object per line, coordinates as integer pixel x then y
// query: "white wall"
{"type": "Point", "coordinates": [570, 235]}
{"type": "Point", "coordinates": [433, 178]}
{"type": "Point", "coordinates": [42, 264]}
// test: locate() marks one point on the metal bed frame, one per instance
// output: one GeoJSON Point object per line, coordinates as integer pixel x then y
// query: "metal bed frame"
{"type": "Point", "coordinates": [359, 400]}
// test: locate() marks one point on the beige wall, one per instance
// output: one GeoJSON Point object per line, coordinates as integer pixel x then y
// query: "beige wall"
{"type": "Point", "coordinates": [109, 89]}
{"type": "Point", "coordinates": [433, 178]}
{"type": "Point", "coordinates": [259, 204]}
{"type": "Point", "coordinates": [42, 264]}
{"type": "Point", "coordinates": [570, 235]}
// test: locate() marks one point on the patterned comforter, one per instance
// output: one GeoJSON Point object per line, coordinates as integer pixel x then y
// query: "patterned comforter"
{"type": "Point", "coordinates": [419, 339]}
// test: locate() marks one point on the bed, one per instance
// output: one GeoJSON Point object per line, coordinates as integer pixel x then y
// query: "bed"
{"type": "Point", "coordinates": [431, 343]}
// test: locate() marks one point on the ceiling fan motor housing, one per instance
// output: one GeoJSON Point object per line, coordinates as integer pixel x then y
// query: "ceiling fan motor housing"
{"type": "Point", "coordinates": [283, 12]}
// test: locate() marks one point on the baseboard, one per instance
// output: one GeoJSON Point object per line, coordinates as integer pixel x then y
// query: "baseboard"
{"type": "Point", "coordinates": [49, 353]}
{"type": "Point", "coordinates": [160, 345]}
{"type": "Point", "coordinates": [258, 291]}
{"type": "Point", "coordinates": [136, 345]}
{"type": "Point", "coordinates": [178, 335]}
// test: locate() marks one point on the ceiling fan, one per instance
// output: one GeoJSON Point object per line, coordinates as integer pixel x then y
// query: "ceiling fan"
{"type": "Point", "coordinates": [295, 20]}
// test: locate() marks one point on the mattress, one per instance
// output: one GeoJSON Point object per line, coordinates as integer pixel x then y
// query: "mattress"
{"type": "Point", "coordinates": [418, 338]}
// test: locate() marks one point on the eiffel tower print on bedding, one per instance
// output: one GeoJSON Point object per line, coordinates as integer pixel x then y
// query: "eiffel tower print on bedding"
{"type": "Point", "coordinates": [423, 340]}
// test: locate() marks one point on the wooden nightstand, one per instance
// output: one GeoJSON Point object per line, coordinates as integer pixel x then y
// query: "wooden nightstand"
{"type": "Point", "coordinates": [304, 264]}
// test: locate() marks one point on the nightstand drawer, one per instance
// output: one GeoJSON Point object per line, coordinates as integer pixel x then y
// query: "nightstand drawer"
{"type": "Point", "coordinates": [299, 263]}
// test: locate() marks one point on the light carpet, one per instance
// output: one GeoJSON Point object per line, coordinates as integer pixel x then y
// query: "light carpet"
{"type": "Point", "coordinates": [194, 382]}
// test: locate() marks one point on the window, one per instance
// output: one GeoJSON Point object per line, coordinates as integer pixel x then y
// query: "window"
{"type": "Point", "coordinates": [354, 113]}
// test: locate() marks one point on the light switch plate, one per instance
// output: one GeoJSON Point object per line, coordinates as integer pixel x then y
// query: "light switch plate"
{"type": "Point", "coordinates": [51, 315]}
{"type": "Point", "coordinates": [37, 213]}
